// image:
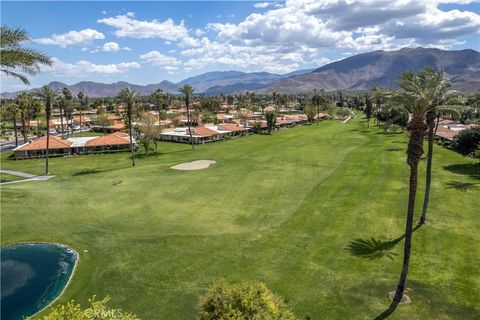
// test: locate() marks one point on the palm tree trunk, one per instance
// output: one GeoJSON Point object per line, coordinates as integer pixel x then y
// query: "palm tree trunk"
{"type": "Point", "coordinates": [415, 150]}
{"type": "Point", "coordinates": [15, 129]}
{"type": "Point", "coordinates": [431, 127]}
{"type": "Point", "coordinates": [61, 121]}
{"type": "Point", "coordinates": [131, 138]}
{"type": "Point", "coordinates": [38, 127]}
{"type": "Point", "coordinates": [188, 124]}
{"type": "Point", "coordinates": [80, 121]}
{"type": "Point", "coordinates": [24, 127]}
{"type": "Point", "coordinates": [159, 120]}
{"type": "Point", "coordinates": [48, 146]}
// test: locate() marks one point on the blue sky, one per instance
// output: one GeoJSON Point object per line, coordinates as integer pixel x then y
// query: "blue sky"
{"type": "Point", "coordinates": [147, 42]}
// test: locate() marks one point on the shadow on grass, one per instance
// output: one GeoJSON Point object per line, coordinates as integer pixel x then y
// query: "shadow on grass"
{"type": "Point", "coordinates": [462, 186]}
{"type": "Point", "coordinates": [394, 149]}
{"type": "Point", "coordinates": [468, 169]}
{"type": "Point", "coordinates": [86, 171]}
{"type": "Point", "coordinates": [373, 248]}
{"type": "Point", "coordinates": [388, 311]}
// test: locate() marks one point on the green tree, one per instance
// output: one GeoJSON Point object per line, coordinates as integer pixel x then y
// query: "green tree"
{"type": "Point", "coordinates": [310, 112]}
{"type": "Point", "coordinates": [97, 309]}
{"type": "Point", "coordinates": [48, 96]}
{"type": "Point", "coordinates": [149, 131]}
{"type": "Point", "coordinates": [158, 97]}
{"type": "Point", "coordinates": [82, 105]}
{"type": "Point", "coordinates": [368, 109]}
{"type": "Point", "coordinates": [271, 118]}
{"type": "Point", "coordinates": [12, 110]}
{"type": "Point", "coordinates": [419, 98]}
{"type": "Point", "coordinates": [129, 97]}
{"type": "Point", "coordinates": [24, 102]}
{"type": "Point", "coordinates": [188, 92]}
{"type": "Point", "coordinates": [13, 57]}
{"type": "Point", "coordinates": [243, 301]}
{"type": "Point", "coordinates": [67, 100]}
{"type": "Point", "coordinates": [467, 142]}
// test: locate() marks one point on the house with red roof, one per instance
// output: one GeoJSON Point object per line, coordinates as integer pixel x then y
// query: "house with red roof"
{"type": "Point", "coordinates": [117, 141]}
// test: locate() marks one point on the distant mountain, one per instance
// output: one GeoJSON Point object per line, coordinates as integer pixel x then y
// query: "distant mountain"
{"type": "Point", "coordinates": [96, 89]}
{"type": "Point", "coordinates": [363, 71]}
{"type": "Point", "coordinates": [230, 79]}
{"type": "Point", "coordinates": [382, 69]}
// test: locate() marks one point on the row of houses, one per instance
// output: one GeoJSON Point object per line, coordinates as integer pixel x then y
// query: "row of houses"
{"type": "Point", "coordinates": [237, 127]}
{"type": "Point", "coordinates": [117, 141]}
{"type": "Point", "coordinates": [449, 129]}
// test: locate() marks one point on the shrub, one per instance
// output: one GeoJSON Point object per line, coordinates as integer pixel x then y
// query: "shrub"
{"type": "Point", "coordinates": [242, 302]}
{"type": "Point", "coordinates": [467, 141]}
{"type": "Point", "coordinates": [96, 310]}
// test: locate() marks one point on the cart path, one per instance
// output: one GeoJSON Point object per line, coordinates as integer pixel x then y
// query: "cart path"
{"type": "Point", "coordinates": [28, 176]}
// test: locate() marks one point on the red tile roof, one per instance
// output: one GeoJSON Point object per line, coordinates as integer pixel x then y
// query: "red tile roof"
{"type": "Point", "coordinates": [118, 126]}
{"type": "Point", "coordinates": [203, 132]}
{"type": "Point", "coordinates": [446, 133]}
{"type": "Point", "coordinates": [230, 127]}
{"type": "Point", "coordinates": [109, 140]}
{"type": "Point", "coordinates": [41, 144]}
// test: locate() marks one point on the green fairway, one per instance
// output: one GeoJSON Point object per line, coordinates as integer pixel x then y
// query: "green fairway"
{"type": "Point", "coordinates": [279, 209]}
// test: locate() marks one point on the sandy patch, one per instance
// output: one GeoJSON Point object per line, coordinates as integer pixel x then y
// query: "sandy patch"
{"type": "Point", "coordinates": [194, 165]}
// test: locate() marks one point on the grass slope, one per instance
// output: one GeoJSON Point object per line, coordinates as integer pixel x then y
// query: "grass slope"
{"type": "Point", "coordinates": [279, 209]}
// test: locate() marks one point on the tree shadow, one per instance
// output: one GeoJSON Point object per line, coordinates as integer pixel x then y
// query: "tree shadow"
{"type": "Point", "coordinates": [86, 171]}
{"type": "Point", "coordinates": [468, 169]}
{"type": "Point", "coordinates": [388, 311]}
{"type": "Point", "coordinates": [373, 248]}
{"type": "Point", "coordinates": [393, 149]}
{"type": "Point", "coordinates": [462, 186]}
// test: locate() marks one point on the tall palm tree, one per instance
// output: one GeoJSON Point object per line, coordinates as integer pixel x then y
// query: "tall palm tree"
{"type": "Point", "coordinates": [129, 96]}
{"type": "Point", "coordinates": [438, 88]}
{"type": "Point", "coordinates": [48, 96]}
{"type": "Point", "coordinates": [188, 91]}
{"type": "Point", "coordinates": [12, 109]}
{"type": "Point", "coordinates": [419, 92]}
{"type": "Point", "coordinates": [159, 97]}
{"type": "Point", "coordinates": [82, 104]}
{"type": "Point", "coordinates": [24, 101]}
{"type": "Point", "coordinates": [68, 106]}
{"type": "Point", "coordinates": [14, 58]}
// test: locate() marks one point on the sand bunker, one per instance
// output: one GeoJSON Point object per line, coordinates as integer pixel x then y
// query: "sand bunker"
{"type": "Point", "coordinates": [194, 165]}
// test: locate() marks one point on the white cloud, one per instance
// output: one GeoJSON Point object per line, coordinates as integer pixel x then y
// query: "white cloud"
{"type": "Point", "coordinates": [83, 67]}
{"type": "Point", "coordinates": [127, 26]}
{"type": "Point", "coordinates": [261, 4]}
{"type": "Point", "coordinates": [110, 47]}
{"type": "Point", "coordinates": [72, 38]}
{"type": "Point", "coordinates": [127, 49]}
{"type": "Point", "coordinates": [168, 63]}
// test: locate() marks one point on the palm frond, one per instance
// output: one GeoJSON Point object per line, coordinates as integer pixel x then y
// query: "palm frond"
{"type": "Point", "coordinates": [16, 75]}
{"type": "Point", "coordinates": [12, 37]}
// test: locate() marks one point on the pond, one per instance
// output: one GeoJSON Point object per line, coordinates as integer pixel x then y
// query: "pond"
{"type": "Point", "coordinates": [32, 276]}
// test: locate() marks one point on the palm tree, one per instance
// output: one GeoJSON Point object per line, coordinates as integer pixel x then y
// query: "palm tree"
{"type": "Point", "coordinates": [12, 108]}
{"type": "Point", "coordinates": [438, 87]}
{"type": "Point", "coordinates": [67, 106]}
{"type": "Point", "coordinates": [48, 96]}
{"type": "Point", "coordinates": [159, 97]}
{"type": "Point", "coordinates": [24, 101]}
{"type": "Point", "coordinates": [83, 100]}
{"type": "Point", "coordinates": [129, 96]}
{"type": "Point", "coordinates": [14, 57]}
{"type": "Point", "coordinates": [188, 91]}
{"type": "Point", "coordinates": [419, 92]}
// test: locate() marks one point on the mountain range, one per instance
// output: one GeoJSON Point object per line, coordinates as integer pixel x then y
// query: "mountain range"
{"type": "Point", "coordinates": [359, 72]}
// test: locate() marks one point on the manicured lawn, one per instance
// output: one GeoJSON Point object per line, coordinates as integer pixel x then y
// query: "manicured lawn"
{"type": "Point", "coordinates": [279, 209]}
{"type": "Point", "coordinates": [5, 177]}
